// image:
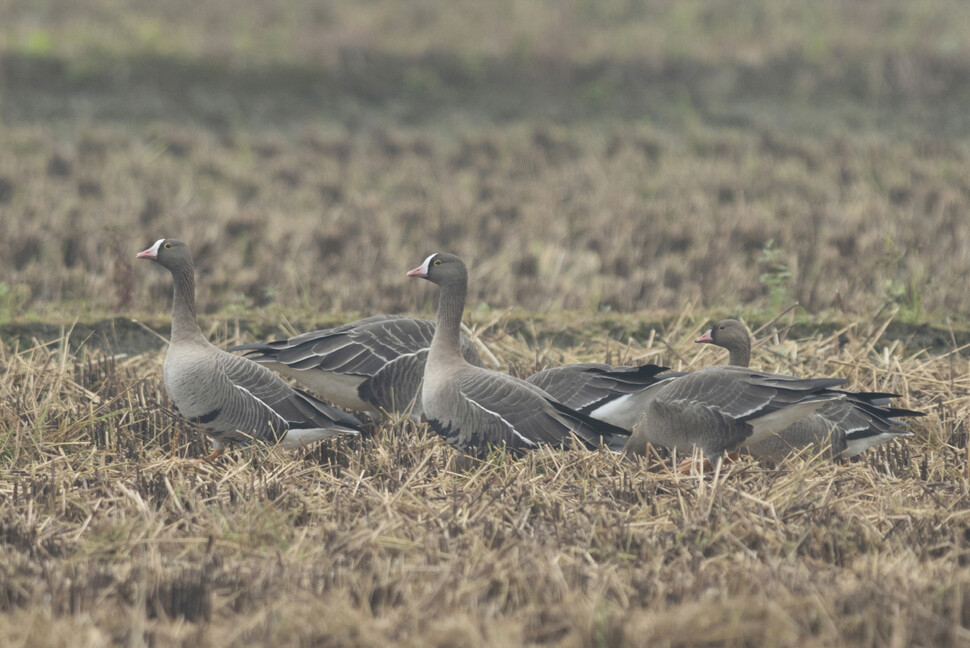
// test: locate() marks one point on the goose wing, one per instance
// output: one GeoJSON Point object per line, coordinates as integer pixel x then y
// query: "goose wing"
{"type": "Point", "coordinates": [721, 407]}
{"type": "Point", "coordinates": [863, 423]}
{"type": "Point", "coordinates": [741, 394]}
{"type": "Point", "coordinates": [260, 402]}
{"type": "Point", "coordinates": [588, 386]}
{"type": "Point", "coordinates": [490, 408]}
{"type": "Point", "coordinates": [359, 348]}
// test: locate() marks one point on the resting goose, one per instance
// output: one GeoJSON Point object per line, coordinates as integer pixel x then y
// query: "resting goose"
{"type": "Point", "coordinates": [850, 426]}
{"type": "Point", "coordinates": [234, 399]}
{"type": "Point", "coordinates": [372, 364]}
{"type": "Point", "coordinates": [474, 408]}
{"type": "Point", "coordinates": [719, 409]}
{"type": "Point", "coordinates": [617, 395]}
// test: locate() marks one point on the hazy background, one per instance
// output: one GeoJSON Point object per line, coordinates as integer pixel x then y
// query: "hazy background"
{"type": "Point", "coordinates": [611, 155]}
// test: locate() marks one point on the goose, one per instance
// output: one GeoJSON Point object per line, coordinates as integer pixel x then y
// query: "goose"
{"type": "Point", "coordinates": [474, 408]}
{"type": "Point", "coordinates": [374, 364]}
{"type": "Point", "coordinates": [849, 426]}
{"type": "Point", "coordinates": [615, 394]}
{"type": "Point", "coordinates": [234, 399]}
{"type": "Point", "coordinates": [719, 409]}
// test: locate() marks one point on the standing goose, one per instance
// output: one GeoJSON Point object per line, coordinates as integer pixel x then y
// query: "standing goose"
{"type": "Point", "coordinates": [234, 399]}
{"type": "Point", "coordinates": [850, 426]}
{"type": "Point", "coordinates": [474, 408]}
{"type": "Point", "coordinates": [372, 364]}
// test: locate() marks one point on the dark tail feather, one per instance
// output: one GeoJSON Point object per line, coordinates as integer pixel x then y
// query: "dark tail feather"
{"type": "Point", "coordinates": [639, 375]}
{"type": "Point", "coordinates": [338, 416]}
{"type": "Point", "coordinates": [895, 412]}
{"type": "Point", "coordinates": [881, 411]}
{"type": "Point", "coordinates": [593, 432]}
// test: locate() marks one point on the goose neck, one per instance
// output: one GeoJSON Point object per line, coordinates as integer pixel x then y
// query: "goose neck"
{"type": "Point", "coordinates": [451, 304]}
{"type": "Point", "coordinates": [740, 355]}
{"type": "Point", "coordinates": [185, 323]}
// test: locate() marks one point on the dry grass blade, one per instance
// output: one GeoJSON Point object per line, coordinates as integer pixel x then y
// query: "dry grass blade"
{"type": "Point", "coordinates": [110, 527]}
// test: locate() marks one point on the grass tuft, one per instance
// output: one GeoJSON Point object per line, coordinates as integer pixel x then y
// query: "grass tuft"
{"type": "Point", "coordinates": [113, 529]}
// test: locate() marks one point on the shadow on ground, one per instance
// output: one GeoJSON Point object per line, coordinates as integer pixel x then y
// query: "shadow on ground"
{"type": "Point", "coordinates": [127, 336]}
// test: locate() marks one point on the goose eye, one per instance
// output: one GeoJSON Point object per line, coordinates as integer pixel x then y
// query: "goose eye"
{"type": "Point", "coordinates": [167, 246]}
{"type": "Point", "coordinates": [437, 262]}
{"type": "Point", "coordinates": [721, 327]}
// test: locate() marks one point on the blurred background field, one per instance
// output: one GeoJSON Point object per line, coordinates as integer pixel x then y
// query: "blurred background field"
{"type": "Point", "coordinates": [615, 173]}
{"type": "Point", "coordinates": [615, 156]}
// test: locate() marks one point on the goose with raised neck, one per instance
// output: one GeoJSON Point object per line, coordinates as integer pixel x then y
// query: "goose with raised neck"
{"type": "Point", "coordinates": [847, 426]}
{"type": "Point", "coordinates": [732, 335]}
{"type": "Point", "coordinates": [235, 400]}
{"type": "Point", "coordinates": [475, 409]}
{"type": "Point", "coordinates": [375, 364]}
{"type": "Point", "coordinates": [453, 289]}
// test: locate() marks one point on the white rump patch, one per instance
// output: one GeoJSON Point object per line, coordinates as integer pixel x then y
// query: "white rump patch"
{"type": "Point", "coordinates": [625, 411]}
{"type": "Point", "coordinates": [858, 446]}
{"type": "Point", "coordinates": [296, 439]}
{"type": "Point", "coordinates": [617, 412]}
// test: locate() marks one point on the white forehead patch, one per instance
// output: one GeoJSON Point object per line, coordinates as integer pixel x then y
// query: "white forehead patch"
{"type": "Point", "coordinates": [427, 263]}
{"type": "Point", "coordinates": [152, 252]}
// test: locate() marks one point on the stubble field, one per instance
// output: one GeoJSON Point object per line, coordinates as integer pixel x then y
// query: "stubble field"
{"type": "Point", "coordinates": [610, 198]}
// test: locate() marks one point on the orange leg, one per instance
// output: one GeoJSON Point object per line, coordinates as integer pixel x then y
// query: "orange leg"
{"type": "Point", "coordinates": [703, 465]}
{"type": "Point", "coordinates": [215, 454]}
{"type": "Point", "coordinates": [686, 466]}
